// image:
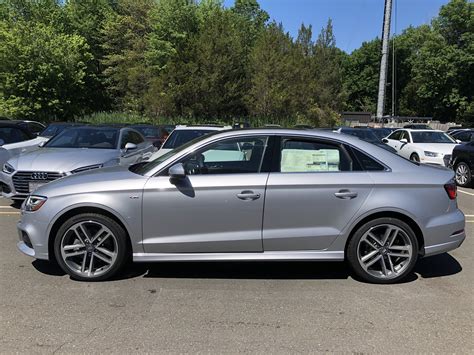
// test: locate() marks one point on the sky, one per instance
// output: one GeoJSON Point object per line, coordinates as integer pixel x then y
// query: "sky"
{"type": "Point", "coordinates": [354, 21]}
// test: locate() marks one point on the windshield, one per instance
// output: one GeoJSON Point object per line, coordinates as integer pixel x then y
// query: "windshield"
{"type": "Point", "coordinates": [182, 136]}
{"type": "Point", "coordinates": [85, 137]}
{"type": "Point", "coordinates": [148, 131]}
{"type": "Point", "coordinates": [53, 129]}
{"type": "Point", "coordinates": [382, 132]}
{"type": "Point", "coordinates": [431, 137]}
{"type": "Point", "coordinates": [143, 169]}
{"type": "Point", "coordinates": [363, 134]}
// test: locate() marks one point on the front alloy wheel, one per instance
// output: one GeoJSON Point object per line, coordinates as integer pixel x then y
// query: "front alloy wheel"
{"type": "Point", "coordinates": [90, 247]}
{"type": "Point", "coordinates": [383, 251]}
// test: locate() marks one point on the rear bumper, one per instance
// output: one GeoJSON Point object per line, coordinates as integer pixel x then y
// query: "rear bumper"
{"type": "Point", "coordinates": [444, 233]}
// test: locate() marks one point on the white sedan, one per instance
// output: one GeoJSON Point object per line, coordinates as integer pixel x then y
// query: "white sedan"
{"type": "Point", "coordinates": [422, 145]}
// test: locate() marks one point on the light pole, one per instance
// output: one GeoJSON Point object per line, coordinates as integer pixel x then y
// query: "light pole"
{"type": "Point", "coordinates": [384, 59]}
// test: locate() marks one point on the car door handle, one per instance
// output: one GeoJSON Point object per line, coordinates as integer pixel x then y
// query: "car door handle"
{"type": "Point", "coordinates": [345, 194]}
{"type": "Point", "coordinates": [248, 195]}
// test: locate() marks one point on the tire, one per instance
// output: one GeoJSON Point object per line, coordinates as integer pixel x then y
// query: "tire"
{"type": "Point", "coordinates": [415, 157]}
{"type": "Point", "coordinates": [91, 247]}
{"type": "Point", "coordinates": [463, 174]}
{"type": "Point", "coordinates": [368, 249]}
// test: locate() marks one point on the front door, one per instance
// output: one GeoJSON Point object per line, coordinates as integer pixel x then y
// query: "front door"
{"type": "Point", "coordinates": [216, 208]}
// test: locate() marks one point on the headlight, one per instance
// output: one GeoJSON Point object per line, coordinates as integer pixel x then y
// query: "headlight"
{"type": "Point", "coordinates": [34, 203]}
{"type": "Point", "coordinates": [8, 169]}
{"type": "Point", "coordinates": [86, 168]}
{"type": "Point", "coordinates": [431, 154]}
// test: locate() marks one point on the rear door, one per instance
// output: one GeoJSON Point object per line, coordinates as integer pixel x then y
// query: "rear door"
{"type": "Point", "coordinates": [313, 194]}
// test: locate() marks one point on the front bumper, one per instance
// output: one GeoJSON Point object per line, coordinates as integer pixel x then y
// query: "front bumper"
{"type": "Point", "coordinates": [33, 236]}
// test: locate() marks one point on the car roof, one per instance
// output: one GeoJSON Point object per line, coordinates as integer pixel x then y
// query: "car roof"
{"type": "Point", "coordinates": [422, 130]}
{"type": "Point", "coordinates": [202, 127]}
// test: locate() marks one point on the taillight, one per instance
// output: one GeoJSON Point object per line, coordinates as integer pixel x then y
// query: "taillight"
{"type": "Point", "coordinates": [451, 190]}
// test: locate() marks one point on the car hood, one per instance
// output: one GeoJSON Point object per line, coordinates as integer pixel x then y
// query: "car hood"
{"type": "Point", "coordinates": [443, 148]}
{"type": "Point", "coordinates": [8, 151]}
{"type": "Point", "coordinates": [117, 178]}
{"type": "Point", "coordinates": [61, 159]}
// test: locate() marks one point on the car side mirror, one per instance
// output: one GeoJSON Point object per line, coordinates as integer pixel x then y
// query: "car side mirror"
{"type": "Point", "coordinates": [41, 145]}
{"type": "Point", "coordinates": [157, 144]}
{"type": "Point", "coordinates": [177, 171]}
{"type": "Point", "coordinates": [385, 140]}
{"type": "Point", "coordinates": [2, 142]}
{"type": "Point", "coordinates": [130, 146]}
{"type": "Point", "coordinates": [457, 141]}
{"type": "Point", "coordinates": [404, 141]}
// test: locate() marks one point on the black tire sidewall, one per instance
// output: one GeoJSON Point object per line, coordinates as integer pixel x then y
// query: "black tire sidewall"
{"type": "Point", "coordinates": [351, 252]}
{"type": "Point", "coordinates": [114, 227]}
{"type": "Point", "coordinates": [413, 156]}
{"type": "Point", "coordinates": [469, 174]}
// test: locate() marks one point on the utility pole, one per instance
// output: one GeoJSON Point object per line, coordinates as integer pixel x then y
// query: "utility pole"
{"type": "Point", "coordinates": [384, 59]}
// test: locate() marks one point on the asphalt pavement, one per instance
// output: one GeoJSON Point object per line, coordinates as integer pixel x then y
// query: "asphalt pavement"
{"type": "Point", "coordinates": [236, 307]}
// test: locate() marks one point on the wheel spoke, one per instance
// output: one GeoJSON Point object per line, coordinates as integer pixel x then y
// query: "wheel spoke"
{"type": "Point", "coordinates": [399, 247]}
{"type": "Point", "coordinates": [91, 263]}
{"type": "Point", "coordinates": [390, 263]}
{"type": "Point", "coordinates": [384, 267]}
{"type": "Point", "coordinates": [399, 255]}
{"type": "Point", "coordinates": [369, 256]}
{"type": "Point", "coordinates": [102, 240]}
{"type": "Point", "coordinates": [83, 266]}
{"type": "Point", "coordinates": [75, 253]}
{"type": "Point", "coordinates": [374, 238]}
{"type": "Point", "coordinates": [373, 261]}
{"type": "Point", "coordinates": [97, 235]}
{"type": "Point", "coordinates": [104, 259]}
{"type": "Point", "coordinates": [84, 230]}
{"type": "Point", "coordinates": [105, 251]}
{"type": "Point", "coordinates": [73, 246]}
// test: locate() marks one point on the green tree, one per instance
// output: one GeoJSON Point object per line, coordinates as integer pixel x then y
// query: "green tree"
{"type": "Point", "coordinates": [125, 43]}
{"type": "Point", "coordinates": [42, 72]}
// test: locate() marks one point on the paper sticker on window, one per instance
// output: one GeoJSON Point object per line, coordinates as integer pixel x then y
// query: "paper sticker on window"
{"type": "Point", "coordinates": [297, 160]}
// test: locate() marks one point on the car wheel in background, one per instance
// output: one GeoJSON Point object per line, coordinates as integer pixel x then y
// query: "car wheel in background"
{"type": "Point", "coordinates": [383, 251]}
{"type": "Point", "coordinates": [463, 174]}
{"type": "Point", "coordinates": [415, 157]}
{"type": "Point", "coordinates": [91, 247]}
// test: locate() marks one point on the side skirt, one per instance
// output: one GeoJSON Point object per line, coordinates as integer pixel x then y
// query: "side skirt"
{"type": "Point", "coordinates": [264, 256]}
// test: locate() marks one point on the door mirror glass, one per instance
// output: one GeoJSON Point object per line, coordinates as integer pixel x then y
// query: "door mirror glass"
{"type": "Point", "coordinates": [130, 146]}
{"type": "Point", "coordinates": [2, 142]}
{"type": "Point", "coordinates": [385, 140]}
{"type": "Point", "coordinates": [177, 171]}
{"type": "Point", "coordinates": [403, 140]}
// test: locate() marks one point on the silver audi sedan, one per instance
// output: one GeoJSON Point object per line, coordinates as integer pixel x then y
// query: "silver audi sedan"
{"type": "Point", "coordinates": [244, 195]}
{"type": "Point", "coordinates": [70, 152]}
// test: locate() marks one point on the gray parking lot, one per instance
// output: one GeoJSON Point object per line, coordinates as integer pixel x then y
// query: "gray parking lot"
{"type": "Point", "coordinates": [230, 307]}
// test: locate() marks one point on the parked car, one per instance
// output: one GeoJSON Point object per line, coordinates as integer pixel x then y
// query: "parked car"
{"type": "Point", "coordinates": [382, 132]}
{"type": "Point", "coordinates": [421, 145]}
{"type": "Point", "coordinates": [367, 135]}
{"type": "Point", "coordinates": [34, 127]}
{"type": "Point", "coordinates": [417, 126]}
{"type": "Point", "coordinates": [277, 194]}
{"type": "Point", "coordinates": [462, 161]}
{"type": "Point", "coordinates": [464, 135]}
{"type": "Point", "coordinates": [73, 151]}
{"type": "Point", "coordinates": [15, 139]}
{"type": "Point", "coordinates": [183, 134]}
{"type": "Point", "coordinates": [57, 127]}
{"type": "Point", "coordinates": [154, 134]}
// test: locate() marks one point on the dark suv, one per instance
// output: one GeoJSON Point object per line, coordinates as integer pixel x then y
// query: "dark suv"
{"type": "Point", "coordinates": [462, 161]}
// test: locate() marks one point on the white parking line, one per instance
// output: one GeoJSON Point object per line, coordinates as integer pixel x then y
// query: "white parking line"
{"type": "Point", "coordinates": [465, 192]}
{"type": "Point", "coordinates": [10, 213]}
{"type": "Point", "coordinates": [6, 207]}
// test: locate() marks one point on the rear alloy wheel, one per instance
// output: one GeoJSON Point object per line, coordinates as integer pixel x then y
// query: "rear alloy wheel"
{"type": "Point", "coordinates": [415, 157]}
{"type": "Point", "coordinates": [90, 247]}
{"type": "Point", "coordinates": [463, 174]}
{"type": "Point", "coordinates": [383, 251]}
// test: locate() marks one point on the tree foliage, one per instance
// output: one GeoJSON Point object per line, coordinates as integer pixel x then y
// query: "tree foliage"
{"type": "Point", "coordinates": [200, 60]}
